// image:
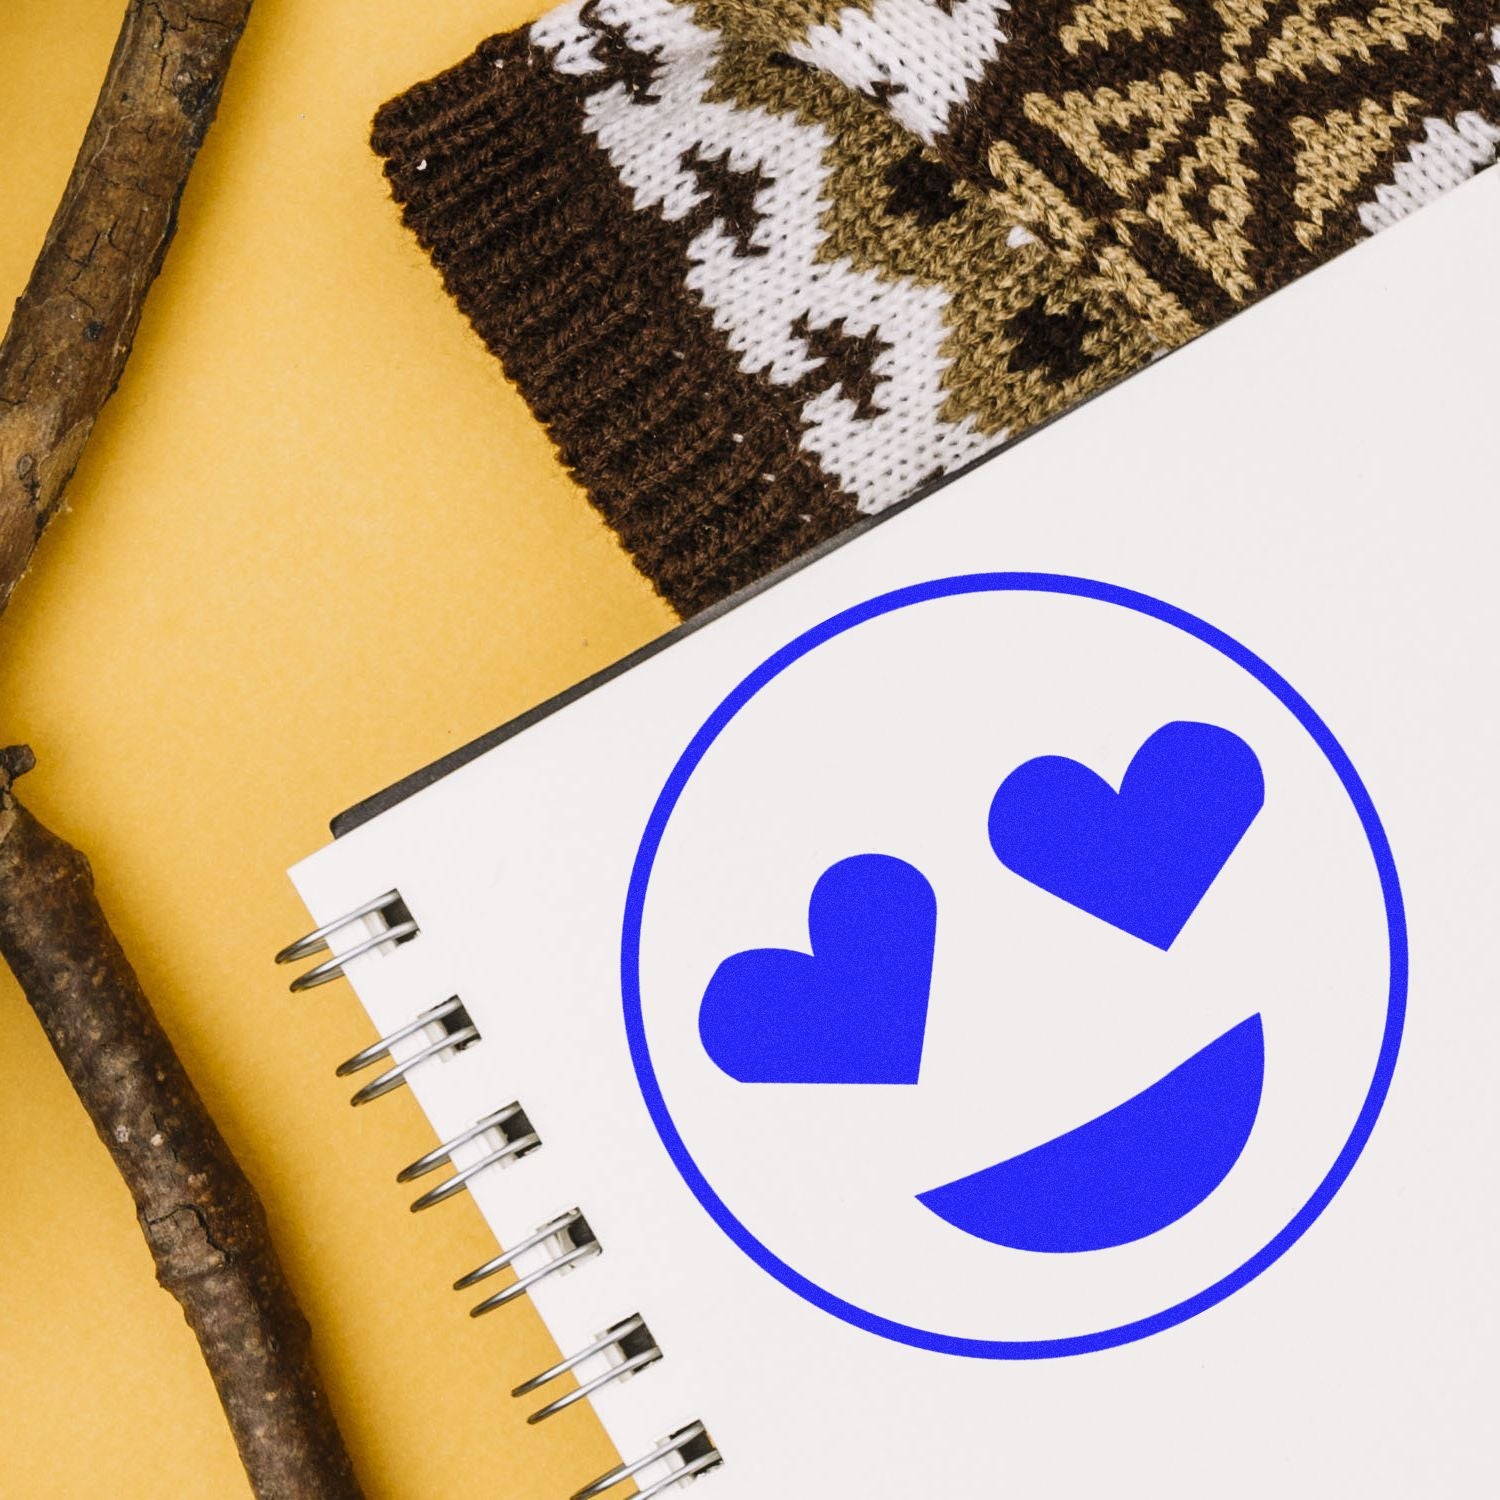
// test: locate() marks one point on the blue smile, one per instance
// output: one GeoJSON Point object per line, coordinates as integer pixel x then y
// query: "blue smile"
{"type": "Point", "coordinates": [1128, 1173]}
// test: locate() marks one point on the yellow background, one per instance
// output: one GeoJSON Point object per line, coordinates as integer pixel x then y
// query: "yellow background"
{"type": "Point", "coordinates": [316, 541]}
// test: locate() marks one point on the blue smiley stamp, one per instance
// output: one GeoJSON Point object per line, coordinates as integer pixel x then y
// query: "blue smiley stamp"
{"type": "Point", "coordinates": [1045, 943]}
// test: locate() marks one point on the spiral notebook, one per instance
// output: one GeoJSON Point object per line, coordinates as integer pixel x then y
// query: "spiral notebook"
{"type": "Point", "coordinates": [1009, 1008]}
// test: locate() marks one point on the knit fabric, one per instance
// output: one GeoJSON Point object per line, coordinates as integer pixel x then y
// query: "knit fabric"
{"type": "Point", "coordinates": [1199, 152]}
{"type": "Point", "coordinates": [763, 266]}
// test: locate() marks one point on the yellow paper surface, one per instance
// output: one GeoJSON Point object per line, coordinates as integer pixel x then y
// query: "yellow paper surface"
{"type": "Point", "coordinates": [315, 542]}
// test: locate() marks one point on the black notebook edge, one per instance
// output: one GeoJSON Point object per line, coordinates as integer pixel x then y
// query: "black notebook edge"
{"type": "Point", "coordinates": [382, 801]}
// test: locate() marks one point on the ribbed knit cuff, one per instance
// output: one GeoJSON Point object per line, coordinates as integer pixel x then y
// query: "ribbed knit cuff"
{"type": "Point", "coordinates": [584, 300]}
{"type": "Point", "coordinates": [747, 306]}
{"type": "Point", "coordinates": [763, 266]}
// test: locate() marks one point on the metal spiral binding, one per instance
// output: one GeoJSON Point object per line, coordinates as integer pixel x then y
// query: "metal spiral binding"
{"type": "Point", "coordinates": [628, 1346]}
{"type": "Point", "coordinates": [458, 1032]}
{"type": "Point", "coordinates": [575, 1241]}
{"type": "Point", "coordinates": [401, 930]}
{"type": "Point", "coordinates": [690, 1445]}
{"type": "Point", "coordinates": [631, 1340]}
{"type": "Point", "coordinates": [521, 1144]}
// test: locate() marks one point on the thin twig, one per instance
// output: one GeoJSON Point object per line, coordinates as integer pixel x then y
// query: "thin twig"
{"type": "Point", "coordinates": [201, 1218]}
{"type": "Point", "coordinates": [74, 325]}
{"type": "Point", "coordinates": [59, 363]}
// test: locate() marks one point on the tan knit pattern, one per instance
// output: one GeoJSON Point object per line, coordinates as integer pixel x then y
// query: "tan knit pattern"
{"type": "Point", "coordinates": [1187, 162]}
{"type": "Point", "coordinates": [1032, 332]}
{"type": "Point", "coordinates": [765, 266]}
{"type": "Point", "coordinates": [1200, 153]}
{"type": "Point", "coordinates": [772, 23]}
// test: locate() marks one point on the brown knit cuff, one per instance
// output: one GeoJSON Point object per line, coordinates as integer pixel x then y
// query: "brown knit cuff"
{"type": "Point", "coordinates": [584, 298]}
{"type": "Point", "coordinates": [764, 266]}
{"type": "Point", "coordinates": [748, 306]}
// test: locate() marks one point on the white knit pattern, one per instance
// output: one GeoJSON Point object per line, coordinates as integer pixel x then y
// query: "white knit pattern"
{"type": "Point", "coordinates": [921, 60]}
{"type": "Point", "coordinates": [1449, 154]}
{"type": "Point", "coordinates": [926, 59]}
{"type": "Point", "coordinates": [755, 301]}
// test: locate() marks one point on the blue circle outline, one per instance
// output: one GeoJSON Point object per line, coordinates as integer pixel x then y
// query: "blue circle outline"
{"type": "Point", "coordinates": [1012, 582]}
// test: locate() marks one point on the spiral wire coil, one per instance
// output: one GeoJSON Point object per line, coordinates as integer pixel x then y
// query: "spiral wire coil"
{"type": "Point", "coordinates": [567, 1240]}
{"type": "Point", "coordinates": [514, 1148]}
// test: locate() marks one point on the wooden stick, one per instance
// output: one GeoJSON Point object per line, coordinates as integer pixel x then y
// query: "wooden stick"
{"type": "Point", "coordinates": [60, 361]}
{"type": "Point", "coordinates": [74, 325]}
{"type": "Point", "coordinates": [201, 1218]}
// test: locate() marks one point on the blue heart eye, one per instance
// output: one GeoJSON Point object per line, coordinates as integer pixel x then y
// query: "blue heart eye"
{"type": "Point", "coordinates": [1141, 858]}
{"type": "Point", "coordinates": [854, 1009]}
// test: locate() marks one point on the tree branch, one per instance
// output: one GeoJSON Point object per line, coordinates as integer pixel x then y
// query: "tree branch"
{"type": "Point", "coordinates": [201, 1218]}
{"type": "Point", "coordinates": [59, 363]}
{"type": "Point", "coordinates": [75, 323]}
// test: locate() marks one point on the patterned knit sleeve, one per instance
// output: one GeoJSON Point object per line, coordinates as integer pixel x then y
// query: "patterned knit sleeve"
{"type": "Point", "coordinates": [765, 266]}
{"type": "Point", "coordinates": [1198, 153]}
{"type": "Point", "coordinates": [748, 305]}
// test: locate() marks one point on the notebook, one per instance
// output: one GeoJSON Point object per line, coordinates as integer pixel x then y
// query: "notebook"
{"type": "Point", "coordinates": [1009, 1007]}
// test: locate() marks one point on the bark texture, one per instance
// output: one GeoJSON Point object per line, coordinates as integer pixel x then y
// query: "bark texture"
{"type": "Point", "coordinates": [202, 1219]}
{"type": "Point", "coordinates": [74, 325]}
{"type": "Point", "coordinates": [59, 363]}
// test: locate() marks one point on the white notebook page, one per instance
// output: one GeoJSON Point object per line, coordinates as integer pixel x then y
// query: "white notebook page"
{"type": "Point", "coordinates": [1317, 481]}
